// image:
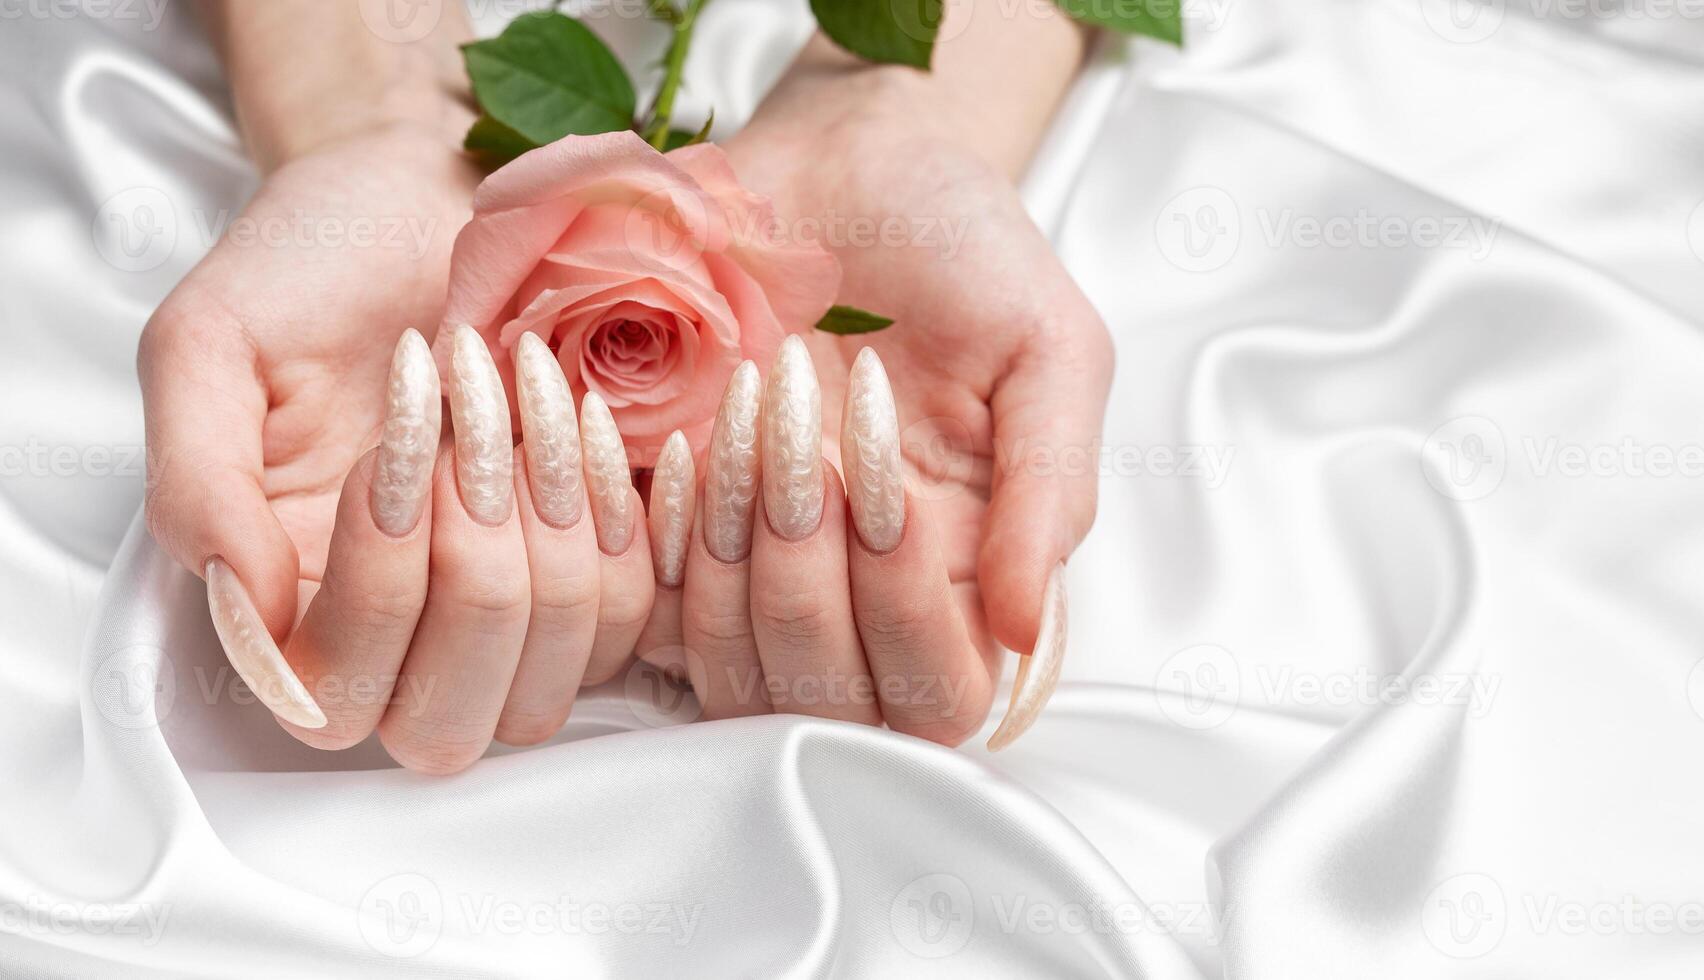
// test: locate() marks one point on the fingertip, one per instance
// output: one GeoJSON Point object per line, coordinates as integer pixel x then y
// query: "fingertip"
{"type": "Point", "coordinates": [1012, 570]}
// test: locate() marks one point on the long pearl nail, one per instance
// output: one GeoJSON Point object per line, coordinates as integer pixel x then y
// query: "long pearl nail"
{"type": "Point", "coordinates": [1038, 673]}
{"type": "Point", "coordinates": [869, 452]}
{"type": "Point", "coordinates": [408, 446]}
{"type": "Point", "coordinates": [549, 432]}
{"type": "Point", "coordinates": [609, 483]}
{"type": "Point", "coordinates": [250, 649]}
{"type": "Point", "coordinates": [731, 468]}
{"type": "Point", "coordinates": [673, 491]}
{"type": "Point", "coordinates": [485, 445]}
{"type": "Point", "coordinates": [792, 443]}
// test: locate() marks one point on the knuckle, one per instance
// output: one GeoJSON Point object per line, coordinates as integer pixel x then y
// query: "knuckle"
{"type": "Point", "coordinates": [800, 618]}
{"type": "Point", "coordinates": [499, 599]}
{"type": "Point", "coordinates": [899, 624]}
{"type": "Point", "coordinates": [383, 611]}
{"type": "Point", "coordinates": [721, 629]}
{"type": "Point", "coordinates": [436, 748]}
{"type": "Point", "coordinates": [951, 730]}
{"type": "Point", "coordinates": [624, 611]}
{"type": "Point", "coordinates": [525, 726]}
{"type": "Point", "coordinates": [564, 602]}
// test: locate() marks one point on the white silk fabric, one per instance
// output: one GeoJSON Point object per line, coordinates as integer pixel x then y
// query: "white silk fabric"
{"type": "Point", "coordinates": [1384, 652]}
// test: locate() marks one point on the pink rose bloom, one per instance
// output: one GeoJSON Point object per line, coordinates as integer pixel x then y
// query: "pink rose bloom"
{"type": "Point", "coordinates": [652, 276]}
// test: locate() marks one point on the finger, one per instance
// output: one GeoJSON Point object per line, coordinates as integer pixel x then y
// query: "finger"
{"type": "Point", "coordinates": [626, 585]}
{"type": "Point", "coordinates": [1048, 408]}
{"type": "Point", "coordinates": [462, 661]}
{"type": "Point", "coordinates": [716, 594]}
{"type": "Point", "coordinates": [206, 506]}
{"type": "Point", "coordinates": [930, 678]}
{"type": "Point", "coordinates": [801, 606]}
{"type": "Point", "coordinates": [351, 643]}
{"type": "Point", "coordinates": [674, 495]}
{"type": "Point", "coordinates": [562, 552]}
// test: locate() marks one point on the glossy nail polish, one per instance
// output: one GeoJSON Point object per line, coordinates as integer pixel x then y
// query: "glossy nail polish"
{"type": "Point", "coordinates": [408, 444]}
{"type": "Point", "coordinates": [673, 491]}
{"type": "Point", "coordinates": [608, 482]}
{"type": "Point", "coordinates": [1038, 673]}
{"type": "Point", "coordinates": [792, 443]}
{"type": "Point", "coordinates": [550, 434]}
{"type": "Point", "coordinates": [250, 649]}
{"type": "Point", "coordinates": [869, 454]}
{"type": "Point", "coordinates": [479, 413]}
{"type": "Point", "coordinates": [731, 468]}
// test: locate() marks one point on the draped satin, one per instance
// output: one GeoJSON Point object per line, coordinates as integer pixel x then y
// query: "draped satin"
{"type": "Point", "coordinates": [1384, 652]}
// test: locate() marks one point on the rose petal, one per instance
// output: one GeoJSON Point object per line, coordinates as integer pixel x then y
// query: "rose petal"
{"type": "Point", "coordinates": [800, 279]}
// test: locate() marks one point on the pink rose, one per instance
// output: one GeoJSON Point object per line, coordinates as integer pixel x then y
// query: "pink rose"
{"type": "Point", "coordinates": [652, 276]}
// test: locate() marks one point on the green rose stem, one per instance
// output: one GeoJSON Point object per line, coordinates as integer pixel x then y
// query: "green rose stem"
{"type": "Point", "coordinates": [657, 133]}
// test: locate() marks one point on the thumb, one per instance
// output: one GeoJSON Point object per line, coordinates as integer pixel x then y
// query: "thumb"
{"type": "Point", "coordinates": [205, 405]}
{"type": "Point", "coordinates": [1047, 423]}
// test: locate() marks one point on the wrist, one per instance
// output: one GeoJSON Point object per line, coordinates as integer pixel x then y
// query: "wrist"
{"type": "Point", "coordinates": [997, 75]}
{"type": "Point", "coordinates": [344, 78]}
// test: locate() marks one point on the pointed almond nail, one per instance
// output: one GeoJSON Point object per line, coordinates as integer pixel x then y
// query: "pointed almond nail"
{"type": "Point", "coordinates": [1038, 673]}
{"type": "Point", "coordinates": [673, 492]}
{"type": "Point", "coordinates": [792, 443]}
{"type": "Point", "coordinates": [608, 482]}
{"type": "Point", "coordinates": [869, 453]}
{"type": "Point", "coordinates": [550, 433]}
{"type": "Point", "coordinates": [408, 446]}
{"type": "Point", "coordinates": [485, 445]}
{"type": "Point", "coordinates": [731, 468]}
{"type": "Point", "coordinates": [251, 650]}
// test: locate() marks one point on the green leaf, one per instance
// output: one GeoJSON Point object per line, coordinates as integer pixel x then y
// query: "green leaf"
{"type": "Point", "coordinates": [1155, 18]}
{"type": "Point", "coordinates": [849, 320]}
{"type": "Point", "coordinates": [495, 142]}
{"type": "Point", "coordinates": [686, 137]}
{"type": "Point", "coordinates": [545, 77]}
{"type": "Point", "coordinates": [892, 32]}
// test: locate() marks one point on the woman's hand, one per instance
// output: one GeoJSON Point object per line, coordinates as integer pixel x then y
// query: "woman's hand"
{"type": "Point", "coordinates": [999, 372]}
{"type": "Point", "coordinates": [396, 580]}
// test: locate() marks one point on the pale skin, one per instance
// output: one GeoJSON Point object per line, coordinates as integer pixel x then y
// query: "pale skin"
{"type": "Point", "coordinates": [264, 376]}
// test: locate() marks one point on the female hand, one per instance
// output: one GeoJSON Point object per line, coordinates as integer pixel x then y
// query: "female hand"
{"type": "Point", "coordinates": [282, 359]}
{"type": "Point", "coordinates": [999, 369]}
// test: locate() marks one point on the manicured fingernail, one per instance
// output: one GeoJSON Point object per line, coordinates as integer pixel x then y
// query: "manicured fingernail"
{"type": "Point", "coordinates": [485, 446]}
{"type": "Point", "coordinates": [792, 443]}
{"type": "Point", "coordinates": [1038, 673]}
{"type": "Point", "coordinates": [549, 433]}
{"type": "Point", "coordinates": [250, 649]}
{"type": "Point", "coordinates": [408, 445]}
{"type": "Point", "coordinates": [869, 453]}
{"type": "Point", "coordinates": [673, 490]}
{"type": "Point", "coordinates": [607, 479]}
{"type": "Point", "coordinates": [731, 468]}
